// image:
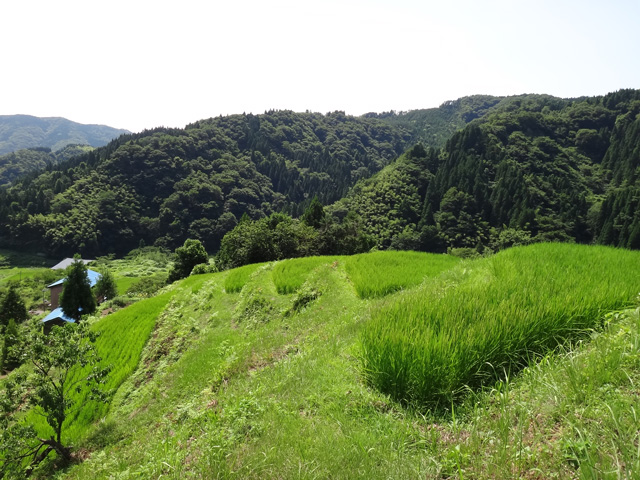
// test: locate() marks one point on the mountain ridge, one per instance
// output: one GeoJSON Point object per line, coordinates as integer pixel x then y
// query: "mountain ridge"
{"type": "Point", "coordinates": [23, 131]}
{"type": "Point", "coordinates": [535, 166]}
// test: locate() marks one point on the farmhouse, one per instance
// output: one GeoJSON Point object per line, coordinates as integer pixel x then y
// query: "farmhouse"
{"type": "Point", "coordinates": [56, 287]}
{"type": "Point", "coordinates": [67, 262]}
{"type": "Point", "coordinates": [57, 316]}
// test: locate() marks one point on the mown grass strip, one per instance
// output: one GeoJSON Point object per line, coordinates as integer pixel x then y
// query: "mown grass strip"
{"type": "Point", "coordinates": [289, 275]}
{"type": "Point", "coordinates": [238, 277]}
{"type": "Point", "coordinates": [428, 346]}
{"type": "Point", "coordinates": [381, 273]}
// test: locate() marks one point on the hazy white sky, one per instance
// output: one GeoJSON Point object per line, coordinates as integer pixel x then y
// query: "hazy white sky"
{"type": "Point", "coordinates": [139, 64]}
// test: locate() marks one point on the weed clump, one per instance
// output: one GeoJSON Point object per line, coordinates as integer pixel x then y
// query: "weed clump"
{"type": "Point", "coordinates": [304, 297]}
{"type": "Point", "coordinates": [254, 308]}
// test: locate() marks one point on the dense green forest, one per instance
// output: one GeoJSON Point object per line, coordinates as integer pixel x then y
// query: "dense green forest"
{"type": "Point", "coordinates": [536, 168]}
{"type": "Point", "coordinates": [21, 162]}
{"type": "Point", "coordinates": [165, 185]}
{"type": "Point", "coordinates": [18, 132]}
{"type": "Point", "coordinates": [512, 170]}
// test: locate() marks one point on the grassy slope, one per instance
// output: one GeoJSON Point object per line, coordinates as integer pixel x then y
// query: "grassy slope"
{"type": "Point", "coordinates": [224, 391]}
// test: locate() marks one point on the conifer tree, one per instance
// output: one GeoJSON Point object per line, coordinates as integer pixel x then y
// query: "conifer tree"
{"type": "Point", "coordinates": [9, 358]}
{"type": "Point", "coordinates": [314, 213]}
{"type": "Point", "coordinates": [12, 307]}
{"type": "Point", "coordinates": [106, 287]}
{"type": "Point", "coordinates": [77, 298]}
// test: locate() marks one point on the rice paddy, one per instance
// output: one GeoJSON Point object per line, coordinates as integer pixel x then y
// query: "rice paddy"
{"type": "Point", "coordinates": [381, 273]}
{"type": "Point", "coordinates": [123, 335]}
{"type": "Point", "coordinates": [289, 275]}
{"type": "Point", "coordinates": [486, 319]}
{"type": "Point", "coordinates": [238, 277]}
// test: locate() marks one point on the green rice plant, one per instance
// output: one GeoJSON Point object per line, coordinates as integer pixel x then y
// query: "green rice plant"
{"type": "Point", "coordinates": [124, 283]}
{"type": "Point", "coordinates": [380, 273]}
{"type": "Point", "coordinates": [488, 319]}
{"type": "Point", "coordinates": [289, 275]}
{"type": "Point", "coordinates": [123, 335]}
{"type": "Point", "coordinates": [238, 277]}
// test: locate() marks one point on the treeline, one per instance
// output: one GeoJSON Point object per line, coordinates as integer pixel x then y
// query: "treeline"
{"type": "Point", "coordinates": [165, 185]}
{"type": "Point", "coordinates": [524, 169]}
{"type": "Point", "coordinates": [280, 236]}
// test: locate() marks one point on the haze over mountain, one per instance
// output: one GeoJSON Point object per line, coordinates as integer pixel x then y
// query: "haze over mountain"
{"type": "Point", "coordinates": [25, 131]}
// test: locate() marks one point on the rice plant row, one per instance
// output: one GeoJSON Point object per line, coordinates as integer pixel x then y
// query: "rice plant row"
{"type": "Point", "coordinates": [488, 319]}
{"type": "Point", "coordinates": [289, 275]}
{"type": "Point", "coordinates": [381, 273]}
{"type": "Point", "coordinates": [238, 277]}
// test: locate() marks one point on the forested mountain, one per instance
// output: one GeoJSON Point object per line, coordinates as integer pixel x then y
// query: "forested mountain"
{"type": "Point", "coordinates": [18, 132]}
{"type": "Point", "coordinates": [535, 168]}
{"type": "Point", "coordinates": [434, 126]}
{"type": "Point", "coordinates": [165, 185]}
{"type": "Point", "coordinates": [21, 162]}
{"type": "Point", "coordinates": [525, 168]}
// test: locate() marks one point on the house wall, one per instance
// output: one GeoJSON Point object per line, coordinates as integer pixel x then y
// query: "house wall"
{"type": "Point", "coordinates": [52, 323]}
{"type": "Point", "coordinates": [55, 296]}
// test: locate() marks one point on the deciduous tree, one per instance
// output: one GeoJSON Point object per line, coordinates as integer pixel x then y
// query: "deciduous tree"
{"type": "Point", "coordinates": [64, 362]}
{"type": "Point", "coordinates": [188, 256]}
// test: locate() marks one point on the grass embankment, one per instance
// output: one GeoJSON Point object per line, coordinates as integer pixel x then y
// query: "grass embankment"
{"type": "Point", "coordinates": [477, 324]}
{"type": "Point", "coordinates": [381, 273]}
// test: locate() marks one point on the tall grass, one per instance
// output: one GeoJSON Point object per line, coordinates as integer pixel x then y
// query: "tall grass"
{"type": "Point", "coordinates": [380, 273]}
{"type": "Point", "coordinates": [289, 275]}
{"type": "Point", "coordinates": [238, 277]}
{"type": "Point", "coordinates": [468, 328]}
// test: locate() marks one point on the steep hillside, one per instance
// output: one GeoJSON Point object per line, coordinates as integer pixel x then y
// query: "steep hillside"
{"type": "Point", "coordinates": [525, 168]}
{"type": "Point", "coordinates": [19, 132]}
{"type": "Point", "coordinates": [533, 169]}
{"type": "Point", "coordinates": [263, 372]}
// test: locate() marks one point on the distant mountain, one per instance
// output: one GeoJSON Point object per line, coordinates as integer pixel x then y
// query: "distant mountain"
{"type": "Point", "coordinates": [21, 162]}
{"type": "Point", "coordinates": [19, 132]}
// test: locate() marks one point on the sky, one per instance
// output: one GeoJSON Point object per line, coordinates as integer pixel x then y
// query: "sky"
{"type": "Point", "coordinates": [139, 64]}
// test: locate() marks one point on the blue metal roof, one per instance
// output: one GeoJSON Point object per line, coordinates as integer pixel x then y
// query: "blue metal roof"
{"type": "Point", "coordinates": [93, 279]}
{"type": "Point", "coordinates": [58, 313]}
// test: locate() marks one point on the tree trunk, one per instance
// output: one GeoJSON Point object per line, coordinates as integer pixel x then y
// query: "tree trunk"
{"type": "Point", "coordinates": [61, 450]}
